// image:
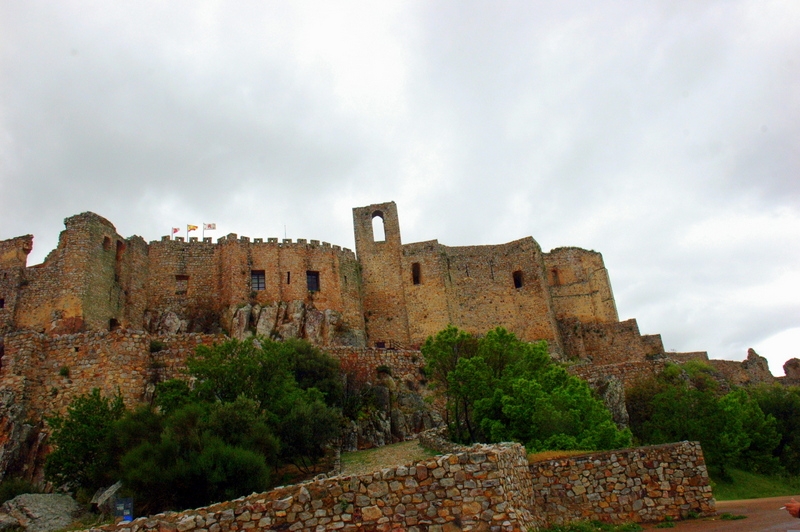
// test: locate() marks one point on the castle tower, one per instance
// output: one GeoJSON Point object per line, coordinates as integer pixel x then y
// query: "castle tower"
{"type": "Point", "coordinates": [379, 250]}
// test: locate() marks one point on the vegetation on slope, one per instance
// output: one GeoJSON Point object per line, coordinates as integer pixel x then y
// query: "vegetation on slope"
{"type": "Point", "coordinates": [255, 406]}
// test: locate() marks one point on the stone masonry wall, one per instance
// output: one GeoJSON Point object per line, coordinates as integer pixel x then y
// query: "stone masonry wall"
{"type": "Point", "coordinates": [644, 484]}
{"type": "Point", "coordinates": [627, 372]}
{"type": "Point", "coordinates": [579, 285]}
{"type": "Point", "coordinates": [485, 488]}
{"type": "Point", "coordinates": [46, 373]}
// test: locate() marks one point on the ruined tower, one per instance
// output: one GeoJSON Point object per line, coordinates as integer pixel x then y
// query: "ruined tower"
{"type": "Point", "coordinates": [379, 251]}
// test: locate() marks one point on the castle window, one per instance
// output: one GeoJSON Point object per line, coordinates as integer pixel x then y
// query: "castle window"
{"type": "Point", "coordinates": [2, 302]}
{"type": "Point", "coordinates": [380, 345]}
{"type": "Point", "coordinates": [517, 279]}
{"type": "Point", "coordinates": [288, 277]}
{"type": "Point", "coordinates": [555, 277]}
{"type": "Point", "coordinates": [106, 243]}
{"type": "Point", "coordinates": [181, 284]}
{"type": "Point", "coordinates": [113, 324]}
{"type": "Point", "coordinates": [416, 273]}
{"type": "Point", "coordinates": [312, 278]}
{"type": "Point", "coordinates": [378, 228]}
{"type": "Point", "coordinates": [258, 280]}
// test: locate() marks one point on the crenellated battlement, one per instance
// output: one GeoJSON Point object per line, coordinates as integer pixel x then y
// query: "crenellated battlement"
{"type": "Point", "coordinates": [273, 241]}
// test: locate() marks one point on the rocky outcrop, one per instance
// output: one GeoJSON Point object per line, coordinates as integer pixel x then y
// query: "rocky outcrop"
{"type": "Point", "coordinates": [612, 391]}
{"type": "Point", "coordinates": [290, 319]}
{"type": "Point", "coordinates": [792, 370]}
{"type": "Point", "coordinates": [38, 512]}
{"type": "Point", "coordinates": [21, 442]}
{"type": "Point", "coordinates": [398, 414]}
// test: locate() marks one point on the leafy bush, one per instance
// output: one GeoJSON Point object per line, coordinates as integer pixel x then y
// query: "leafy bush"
{"type": "Point", "coordinates": [11, 487]}
{"type": "Point", "coordinates": [82, 440]}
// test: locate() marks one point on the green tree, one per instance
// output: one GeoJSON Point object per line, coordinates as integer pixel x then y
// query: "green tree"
{"type": "Point", "coordinates": [84, 450]}
{"type": "Point", "coordinates": [499, 388]}
{"type": "Point", "coordinates": [685, 403]}
{"type": "Point", "coordinates": [782, 403]}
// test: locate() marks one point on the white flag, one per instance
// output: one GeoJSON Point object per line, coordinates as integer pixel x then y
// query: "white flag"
{"type": "Point", "coordinates": [209, 227]}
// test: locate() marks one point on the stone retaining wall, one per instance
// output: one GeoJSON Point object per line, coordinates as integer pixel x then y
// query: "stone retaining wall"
{"type": "Point", "coordinates": [486, 488]}
{"type": "Point", "coordinates": [483, 487]}
{"type": "Point", "coordinates": [643, 484]}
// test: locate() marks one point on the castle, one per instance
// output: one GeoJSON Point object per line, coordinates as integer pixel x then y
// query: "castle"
{"type": "Point", "coordinates": [390, 295]}
{"type": "Point", "coordinates": [119, 314]}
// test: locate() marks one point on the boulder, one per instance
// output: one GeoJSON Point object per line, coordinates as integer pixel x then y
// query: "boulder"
{"type": "Point", "coordinates": [40, 512]}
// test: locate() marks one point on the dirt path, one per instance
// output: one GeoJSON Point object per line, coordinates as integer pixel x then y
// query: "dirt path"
{"type": "Point", "coordinates": [763, 515]}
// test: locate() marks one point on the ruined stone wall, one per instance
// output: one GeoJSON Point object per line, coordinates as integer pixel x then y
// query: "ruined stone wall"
{"type": "Point", "coordinates": [608, 343]}
{"type": "Point", "coordinates": [404, 365]}
{"type": "Point", "coordinates": [46, 373]}
{"type": "Point", "coordinates": [485, 487]}
{"type": "Point", "coordinates": [643, 484]}
{"type": "Point", "coordinates": [628, 372]}
{"type": "Point", "coordinates": [13, 258]}
{"type": "Point", "coordinates": [97, 280]}
{"type": "Point", "coordinates": [92, 280]}
{"type": "Point", "coordinates": [579, 285]}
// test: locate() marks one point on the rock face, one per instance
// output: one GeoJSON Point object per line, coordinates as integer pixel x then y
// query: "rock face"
{"type": "Point", "coordinates": [398, 414]}
{"type": "Point", "coordinates": [792, 370]}
{"type": "Point", "coordinates": [282, 320]}
{"type": "Point", "coordinates": [757, 368]}
{"type": "Point", "coordinates": [39, 512]}
{"type": "Point", "coordinates": [612, 391]}
{"type": "Point", "coordinates": [21, 443]}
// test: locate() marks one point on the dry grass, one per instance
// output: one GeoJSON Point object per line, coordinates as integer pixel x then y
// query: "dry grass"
{"type": "Point", "coordinates": [553, 455]}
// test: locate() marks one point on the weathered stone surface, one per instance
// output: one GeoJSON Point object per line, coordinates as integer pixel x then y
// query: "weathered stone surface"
{"type": "Point", "coordinates": [240, 325]}
{"type": "Point", "coordinates": [41, 512]}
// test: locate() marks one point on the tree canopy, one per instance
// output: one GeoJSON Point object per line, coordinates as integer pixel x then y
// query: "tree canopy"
{"type": "Point", "coordinates": [254, 406]}
{"type": "Point", "coordinates": [499, 388]}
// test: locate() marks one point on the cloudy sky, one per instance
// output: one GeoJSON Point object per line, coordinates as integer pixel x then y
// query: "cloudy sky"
{"type": "Point", "coordinates": [664, 134]}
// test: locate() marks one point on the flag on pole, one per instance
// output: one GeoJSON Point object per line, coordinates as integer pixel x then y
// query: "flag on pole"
{"type": "Point", "coordinates": [191, 228]}
{"type": "Point", "coordinates": [209, 227]}
{"type": "Point", "coordinates": [175, 230]}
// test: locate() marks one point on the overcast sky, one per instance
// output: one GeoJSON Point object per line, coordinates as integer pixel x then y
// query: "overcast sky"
{"type": "Point", "coordinates": [664, 134]}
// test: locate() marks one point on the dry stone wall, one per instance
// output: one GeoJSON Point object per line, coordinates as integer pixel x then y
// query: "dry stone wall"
{"type": "Point", "coordinates": [483, 487]}
{"type": "Point", "coordinates": [644, 484]}
{"type": "Point", "coordinates": [486, 488]}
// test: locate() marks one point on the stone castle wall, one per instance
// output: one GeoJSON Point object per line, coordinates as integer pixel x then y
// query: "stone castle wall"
{"type": "Point", "coordinates": [580, 286]}
{"type": "Point", "coordinates": [45, 373]}
{"type": "Point", "coordinates": [412, 291]}
{"type": "Point", "coordinates": [97, 280]}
